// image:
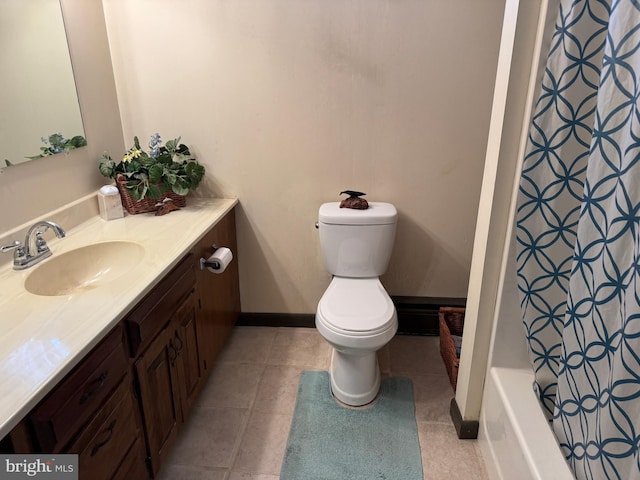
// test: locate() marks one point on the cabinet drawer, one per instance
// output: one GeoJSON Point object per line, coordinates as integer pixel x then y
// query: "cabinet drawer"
{"type": "Point", "coordinates": [105, 441]}
{"type": "Point", "coordinates": [153, 313]}
{"type": "Point", "coordinates": [80, 394]}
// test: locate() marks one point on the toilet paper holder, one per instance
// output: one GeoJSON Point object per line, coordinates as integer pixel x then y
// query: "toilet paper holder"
{"type": "Point", "coordinates": [205, 263]}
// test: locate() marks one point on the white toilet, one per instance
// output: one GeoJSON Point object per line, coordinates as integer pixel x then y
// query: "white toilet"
{"type": "Point", "coordinates": [355, 314]}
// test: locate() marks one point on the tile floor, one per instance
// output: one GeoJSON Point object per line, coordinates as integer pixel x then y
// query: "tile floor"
{"type": "Point", "coordinates": [238, 430]}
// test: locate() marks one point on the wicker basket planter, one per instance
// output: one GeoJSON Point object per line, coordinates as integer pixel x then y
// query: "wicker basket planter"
{"type": "Point", "coordinates": [451, 324]}
{"type": "Point", "coordinates": [145, 205]}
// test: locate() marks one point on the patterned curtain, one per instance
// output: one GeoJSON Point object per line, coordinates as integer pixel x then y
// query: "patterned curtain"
{"type": "Point", "coordinates": [578, 236]}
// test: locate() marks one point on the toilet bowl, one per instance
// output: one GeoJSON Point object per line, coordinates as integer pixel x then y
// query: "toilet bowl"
{"type": "Point", "coordinates": [357, 317]}
{"type": "Point", "coordinates": [355, 314]}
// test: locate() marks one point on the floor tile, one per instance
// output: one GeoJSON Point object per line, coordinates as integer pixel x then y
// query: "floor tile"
{"type": "Point", "coordinates": [300, 347]}
{"type": "Point", "coordinates": [265, 440]}
{"type": "Point", "coordinates": [278, 389]}
{"type": "Point", "coordinates": [433, 394]}
{"type": "Point", "coordinates": [209, 437]}
{"type": "Point", "coordinates": [252, 476]}
{"type": "Point", "coordinates": [248, 345]}
{"type": "Point", "coordinates": [231, 385]}
{"type": "Point", "coordinates": [188, 472]}
{"type": "Point", "coordinates": [444, 456]}
{"type": "Point", "coordinates": [416, 355]}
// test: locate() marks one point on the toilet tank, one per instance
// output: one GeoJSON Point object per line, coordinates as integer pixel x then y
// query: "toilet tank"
{"type": "Point", "coordinates": [357, 243]}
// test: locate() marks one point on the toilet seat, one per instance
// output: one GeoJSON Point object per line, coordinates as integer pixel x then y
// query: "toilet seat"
{"type": "Point", "coordinates": [356, 307]}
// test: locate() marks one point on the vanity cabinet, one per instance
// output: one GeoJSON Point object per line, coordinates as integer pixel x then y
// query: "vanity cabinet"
{"type": "Point", "coordinates": [163, 332]}
{"type": "Point", "coordinates": [92, 412]}
{"type": "Point", "coordinates": [120, 409]}
{"type": "Point", "coordinates": [218, 294]}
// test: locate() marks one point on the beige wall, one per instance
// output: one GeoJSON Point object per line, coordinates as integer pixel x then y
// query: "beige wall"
{"type": "Point", "coordinates": [518, 77]}
{"type": "Point", "coordinates": [34, 188]}
{"type": "Point", "coordinates": [289, 102]}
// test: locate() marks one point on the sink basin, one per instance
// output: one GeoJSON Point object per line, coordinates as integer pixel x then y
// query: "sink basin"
{"type": "Point", "coordinates": [84, 268]}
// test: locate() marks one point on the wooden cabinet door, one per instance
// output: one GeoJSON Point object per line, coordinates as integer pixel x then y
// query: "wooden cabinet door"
{"type": "Point", "coordinates": [160, 396]}
{"type": "Point", "coordinates": [218, 294]}
{"type": "Point", "coordinates": [185, 341]}
{"type": "Point", "coordinates": [133, 467]}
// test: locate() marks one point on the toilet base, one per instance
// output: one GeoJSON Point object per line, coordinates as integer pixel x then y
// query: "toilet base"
{"type": "Point", "coordinates": [355, 379]}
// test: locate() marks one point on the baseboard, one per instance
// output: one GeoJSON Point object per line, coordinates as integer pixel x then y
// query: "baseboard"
{"type": "Point", "coordinates": [466, 429]}
{"type": "Point", "coordinates": [276, 319]}
{"type": "Point", "coordinates": [416, 315]}
{"type": "Point", "coordinates": [419, 315]}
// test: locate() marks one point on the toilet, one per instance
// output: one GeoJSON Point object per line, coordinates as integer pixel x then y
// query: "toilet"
{"type": "Point", "coordinates": [355, 314]}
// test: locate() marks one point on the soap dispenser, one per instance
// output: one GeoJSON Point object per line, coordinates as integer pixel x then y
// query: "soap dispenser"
{"type": "Point", "coordinates": [109, 203]}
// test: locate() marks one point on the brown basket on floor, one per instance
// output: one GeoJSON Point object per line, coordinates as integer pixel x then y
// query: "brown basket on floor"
{"type": "Point", "coordinates": [145, 205]}
{"type": "Point", "coordinates": [451, 323]}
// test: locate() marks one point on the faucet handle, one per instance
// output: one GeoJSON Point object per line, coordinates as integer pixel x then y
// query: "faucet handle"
{"type": "Point", "coordinates": [41, 244]}
{"type": "Point", "coordinates": [17, 246]}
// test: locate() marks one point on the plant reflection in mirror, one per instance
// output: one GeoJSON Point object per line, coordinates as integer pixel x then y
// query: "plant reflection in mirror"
{"type": "Point", "coordinates": [56, 143]}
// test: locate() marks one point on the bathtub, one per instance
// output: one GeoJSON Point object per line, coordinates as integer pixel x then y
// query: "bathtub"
{"type": "Point", "coordinates": [515, 438]}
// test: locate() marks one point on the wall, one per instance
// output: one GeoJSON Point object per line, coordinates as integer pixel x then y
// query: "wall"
{"type": "Point", "coordinates": [34, 188]}
{"type": "Point", "coordinates": [527, 27]}
{"type": "Point", "coordinates": [289, 102]}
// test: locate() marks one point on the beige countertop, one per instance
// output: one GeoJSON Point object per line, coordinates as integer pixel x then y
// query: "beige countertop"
{"type": "Point", "coordinates": [43, 337]}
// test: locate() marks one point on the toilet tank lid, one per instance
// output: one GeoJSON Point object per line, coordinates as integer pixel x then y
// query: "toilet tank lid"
{"type": "Point", "coordinates": [378, 213]}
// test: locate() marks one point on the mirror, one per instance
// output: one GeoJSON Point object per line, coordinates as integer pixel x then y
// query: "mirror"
{"type": "Point", "coordinates": [38, 98]}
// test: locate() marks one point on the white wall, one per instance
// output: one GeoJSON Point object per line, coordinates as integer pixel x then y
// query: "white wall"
{"type": "Point", "coordinates": [289, 102]}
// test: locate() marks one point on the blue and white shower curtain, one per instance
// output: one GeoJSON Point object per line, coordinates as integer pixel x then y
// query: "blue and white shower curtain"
{"type": "Point", "coordinates": [578, 236]}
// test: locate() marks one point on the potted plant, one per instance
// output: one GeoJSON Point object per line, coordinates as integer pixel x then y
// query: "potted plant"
{"type": "Point", "coordinates": [166, 171]}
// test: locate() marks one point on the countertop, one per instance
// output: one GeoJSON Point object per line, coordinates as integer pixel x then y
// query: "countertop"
{"type": "Point", "coordinates": [43, 337]}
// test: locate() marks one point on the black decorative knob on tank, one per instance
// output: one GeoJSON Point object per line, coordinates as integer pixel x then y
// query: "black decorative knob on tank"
{"type": "Point", "coordinates": [354, 201]}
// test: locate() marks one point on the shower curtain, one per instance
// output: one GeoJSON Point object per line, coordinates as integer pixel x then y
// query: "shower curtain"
{"type": "Point", "coordinates": [578, 238]}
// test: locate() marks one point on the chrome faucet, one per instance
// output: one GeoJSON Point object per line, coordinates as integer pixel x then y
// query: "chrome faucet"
{"type": "Point", "coordinates": [35, 248]}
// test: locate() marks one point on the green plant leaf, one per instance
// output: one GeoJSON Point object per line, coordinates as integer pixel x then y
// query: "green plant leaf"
{"type": "Point", "coordinates": [77, 141]}
{"type": "Point", "coordinates": [107, 168]}
{"type": "Point", "coordinates": [170, 177]}
{"type": "Point", "coordinates": [180, 188]}
{"type": "Point", "coordinates": [155, 173]}
{"type": "Point", "coordinates": [153, 191]}
{"type": "Point", "coordinates": [138, 190]}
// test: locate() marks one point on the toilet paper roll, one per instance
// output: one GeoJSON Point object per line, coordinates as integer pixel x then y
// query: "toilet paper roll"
{"type": "Point", "coordinates": [219, 261]}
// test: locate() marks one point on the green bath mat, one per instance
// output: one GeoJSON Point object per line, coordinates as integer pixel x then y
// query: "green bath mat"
{"type": "Point", "coordinates": [331, 442]}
